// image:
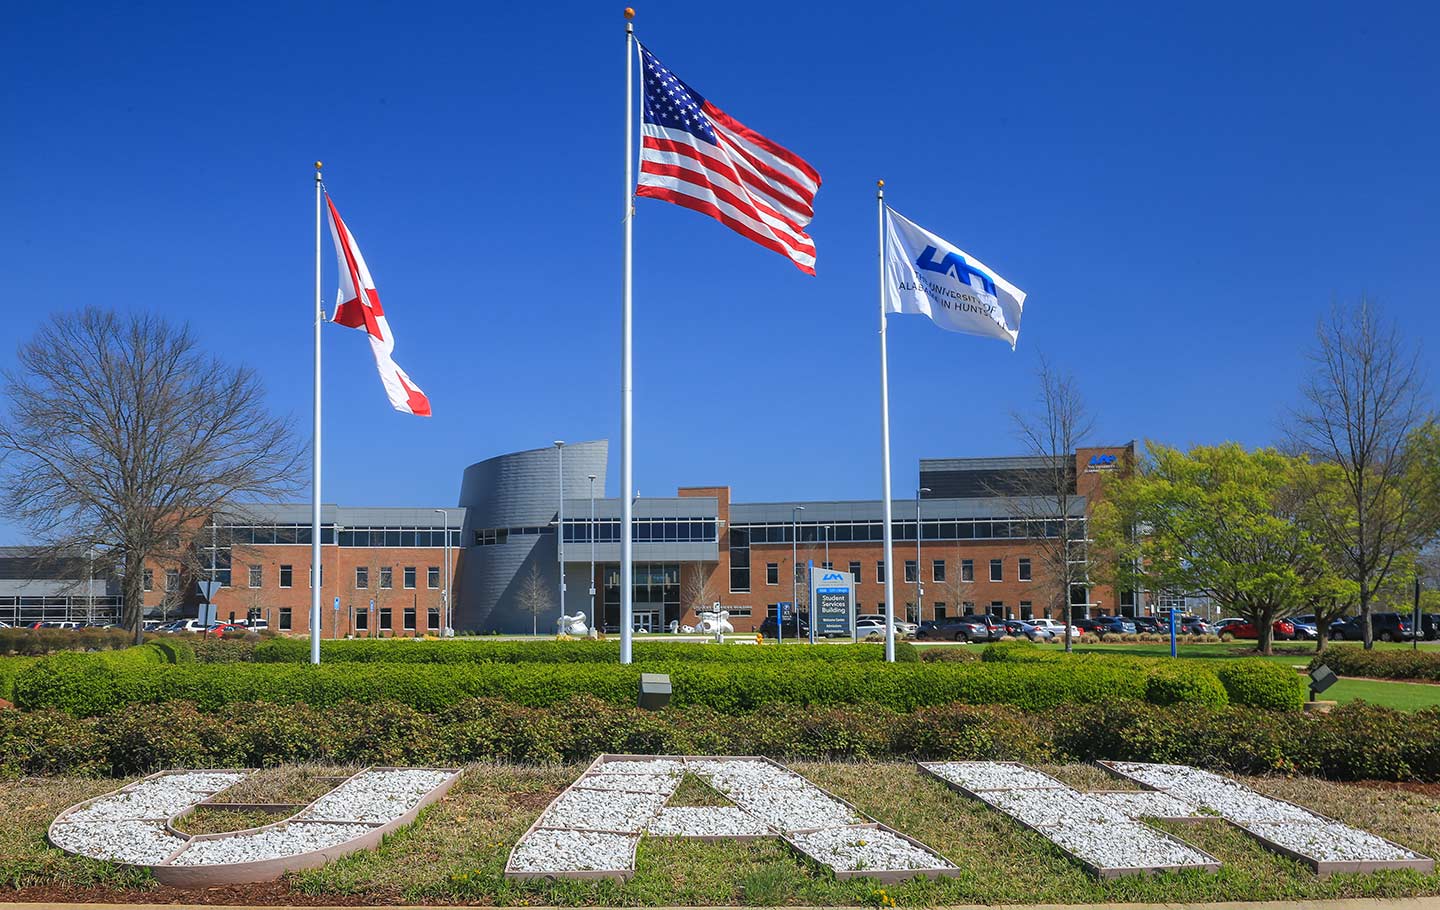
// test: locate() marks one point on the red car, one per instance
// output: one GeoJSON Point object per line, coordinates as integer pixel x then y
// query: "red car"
{"type": "Point", "coordinates": [1281, 629]}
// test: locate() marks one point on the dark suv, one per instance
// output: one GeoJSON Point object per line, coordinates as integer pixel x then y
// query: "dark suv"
{"type": "Point", "coordinates": [768, 630]}
{"type": "Point", "coordinates": [976, 627]}
{"type": "Point", "coordinates": [1384, 626]}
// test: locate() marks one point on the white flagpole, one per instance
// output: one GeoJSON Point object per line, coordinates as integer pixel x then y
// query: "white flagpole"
{"type": "Point", "coordinates": [885, 437]}
{"type": "Point", "coordinates": [315, 445]}
{"type": "Point", "coordinates": [627, 568]}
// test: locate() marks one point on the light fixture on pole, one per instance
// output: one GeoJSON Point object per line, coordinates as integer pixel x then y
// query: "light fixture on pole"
{"type": "Point", "coordinates": [828, 529]}
{"type": "Point", "coordinates": [919, 589]}
{"type": "Point", "coordinates": [560, 518]}
{"type": "Point", "coordinates": [594, 623]}
{"type": "Point", "coordinates": [794, 567]}
{"type": "Point", "coordinates": [446, 625]}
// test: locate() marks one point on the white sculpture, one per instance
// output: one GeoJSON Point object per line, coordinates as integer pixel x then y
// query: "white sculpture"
{"type": "Point", "coordinates": [715, 622]}
{"type": "Point", "coordinates": [572, 625]}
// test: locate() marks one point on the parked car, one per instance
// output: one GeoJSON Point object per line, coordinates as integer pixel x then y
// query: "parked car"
{"type": "Point", "coordinates": [1017, 628]}
{"type": "Point", "coordinates": [1194, 625]}
{"type": "Point", "coordinates": [1304, 631]}
{"type": "Point", "coordinates": [902, 627]}
{"type": "Point", "coordinates": [1225, 626]}
{"type": "Point", "coordinates": [768, 630]}
{"type": "Point", "coordinates": [1383, 626]}
{"type": "Point", "coordinates": [1106, 625]}
{"type": "Point", "coordinates": [977, 627]}
{"type": "Point", "coordinates": [1150, 623]}
{"type": "Point", "coordinates": [1429, 626]}
{"type": "Point", "coordinates": [1057, 627]}
{"type": "Point", "coordinates": [1280, 629]}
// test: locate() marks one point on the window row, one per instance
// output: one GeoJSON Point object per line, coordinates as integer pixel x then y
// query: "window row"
{"type": "Point", "coordinates": [862, 531]}
{"type": "Point", "coordinates": [938, 573]}
{"type": "Point", "coordinates": [384, 619]}
{"type": "Point", "coordinates": [246, 535]}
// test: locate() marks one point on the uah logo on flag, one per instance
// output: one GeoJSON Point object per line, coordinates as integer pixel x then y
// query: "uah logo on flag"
{"type": "Point", "coordinates": [928, 276]}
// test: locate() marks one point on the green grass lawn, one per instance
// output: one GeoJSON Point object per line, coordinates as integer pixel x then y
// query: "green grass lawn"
{"type": "Point", "coordinates": [1402, 695]}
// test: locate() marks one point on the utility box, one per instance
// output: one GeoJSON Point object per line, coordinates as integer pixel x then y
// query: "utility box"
{"type": "Point", "coordinates": [654, 691]}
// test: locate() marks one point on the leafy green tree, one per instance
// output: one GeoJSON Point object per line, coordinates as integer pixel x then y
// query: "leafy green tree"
{"type": "Point", "coordinates": [1216, 520]}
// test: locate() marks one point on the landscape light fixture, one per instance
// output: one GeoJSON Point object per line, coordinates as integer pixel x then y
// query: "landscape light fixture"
{"type": "Point", "coordinates": [1321, 678]}
{"type": "Point", "coordinates": [654, 691]}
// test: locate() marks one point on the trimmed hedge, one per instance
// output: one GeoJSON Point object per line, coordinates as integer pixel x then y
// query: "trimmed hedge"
{"type": "Point", "coordinates": [1354, 660]}
{"type": "Point", "coordinates": [98, 684]}
{"type": "Point", "coordinates": [1398, 745]}
{"type": "Point", "coordinates": [418, 651]}
{"type": "Point", "coordinates": [38, 642]}
{"type": "Point", "coordinates": [1247, 681]}
{"type": "Point", "coordinates": [89, 683]}
{"type": "Point", "coordinates": [10, 667]}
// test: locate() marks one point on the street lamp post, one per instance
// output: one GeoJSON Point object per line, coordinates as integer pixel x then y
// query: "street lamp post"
{"type": "Point", "coordinates": [446, 625]}
{"type": "Point", "coordinates": [560, 522]}
{"type": "Point", "coordinates": [794, 567]}
{"type": "Point", "coordinates": [828, 529]}
{"type": "Point", "coordinates": [919, 589]}
{"type": "Point", "coordinates": [593, 621]}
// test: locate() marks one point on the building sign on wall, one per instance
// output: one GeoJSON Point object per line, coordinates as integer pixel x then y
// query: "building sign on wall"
{"type": "Point", "coordinates": [1101, 463]}
{"type": "Point", "coordinates": [833, 594]}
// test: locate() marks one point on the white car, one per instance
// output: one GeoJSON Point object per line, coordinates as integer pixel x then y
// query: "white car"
{"type": "Point", "coordinates": [901, 626]}
{"type": "Point", "coordinates": [1057, 627]}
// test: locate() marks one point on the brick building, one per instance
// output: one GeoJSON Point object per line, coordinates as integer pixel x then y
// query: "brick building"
{"type": "Point", "coordinates": [385, 568]}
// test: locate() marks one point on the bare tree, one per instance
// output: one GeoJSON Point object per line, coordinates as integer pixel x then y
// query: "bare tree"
{"type": "Point", "coordinates": [1364, 406]}
{"type": "Point", "coordinates": [1045, 498]}
{"type": "Point", "coordinates": [535, 597]}
{"type": "Point", "coordinates": [122, 435]}
{"type": "Point", "coordinates": [696, 593]}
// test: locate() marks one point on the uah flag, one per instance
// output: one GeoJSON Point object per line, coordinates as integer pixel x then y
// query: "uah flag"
{"type": "Point", "coordinates": [929, 276]}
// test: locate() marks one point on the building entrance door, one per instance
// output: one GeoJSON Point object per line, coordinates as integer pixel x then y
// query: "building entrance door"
{"type": "Point", "coordinates": [647, 616]}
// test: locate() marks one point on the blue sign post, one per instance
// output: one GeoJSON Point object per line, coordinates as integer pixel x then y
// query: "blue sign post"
{"type": "Point", "coordinates": [1172, 632]}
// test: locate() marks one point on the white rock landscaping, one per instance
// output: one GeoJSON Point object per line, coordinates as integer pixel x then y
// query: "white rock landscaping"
{"type": "Point", "coordinates": [136, 825]}
{"type": "Point", "coordinates": [1098, 833]}
{"type": "Point", "coordinates": [626, 796]}
{"type": "Point", "coordinates": [1324, 844]}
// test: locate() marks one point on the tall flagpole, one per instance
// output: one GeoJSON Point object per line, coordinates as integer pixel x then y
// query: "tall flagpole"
{"type": "Point", "coordinates": [315, 445]}
{"type": "Point", "coordinates": [885, 436]}
{"type": "Point", "coordinates": [627, 568]}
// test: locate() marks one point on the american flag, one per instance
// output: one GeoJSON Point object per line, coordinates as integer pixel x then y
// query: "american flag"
{"type": "Point", "coordinates": [694, 154]}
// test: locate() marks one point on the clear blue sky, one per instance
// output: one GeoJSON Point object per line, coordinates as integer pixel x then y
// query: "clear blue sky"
{"type": "Point", "coordinates": [1182, 189]}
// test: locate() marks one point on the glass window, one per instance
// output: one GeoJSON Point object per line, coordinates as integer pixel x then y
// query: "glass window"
{"type": "Point", "coordinates": [772, 573]}
{"type": "Point", "coordinates": [285, 535]}
{"type": "Point", "coordinates": [880, 571]}
{"type": "Point", "coordinates": [147, 578]}
{"type": "Point", "coordinates": [256, 576]}
{"type": "Point", "coordinates": [385, 618]}
{"type": "Point", "coordinates": [739, 560]}
{"type": "Point", "coordinates": [172, 581]}
{"type": "Point", "coordinates": [982, 530]}
{"type": "Point", "coordinates": [967, 570]}
{"type": "Point", "coordinates": [855, 570]}
{"type": "Point", "coordinates": [285, 619]}
{"type": "Point", "coordinates": [392, 537]}
{"type": "Point", "coordinates": [937, 570]}
{"type": "Point", "coordinates": [387, 577]}
{"type": "Point", "coordinates": [432, 577]}
{"type": "Point", "coordinates": [409, 619]}
{"type": "Point", "coordinates": [910, 570]}
{"type": "Point", "coordinates": [407, 538]}
{"type": "Point", "coordinates": [997, 570]}
{"type": "Point", "coordinates": [1025, 568]}
{"type": "Point", "coordinates": [432, 618]}
{"type": "Point", "coordinates": [939, 610]}
{"type": "Point", "coordinates": [964, 530]}
{"type": "Point", "coordinates": [409, 577]}
{"type": "Point", "coordinates": [287, 576]}
{"type": "Point", "coordinates": [997, 609]}
{"type": "Point", "coordinates": [362, 620]}
{"type": "Point", "coordinates": [1027, 611]}
{"type": "Point", "coordinates": [362, 577]}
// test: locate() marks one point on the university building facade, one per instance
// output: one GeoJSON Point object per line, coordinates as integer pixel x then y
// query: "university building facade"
{"type": "Point", "coordinates": [977, 548]}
